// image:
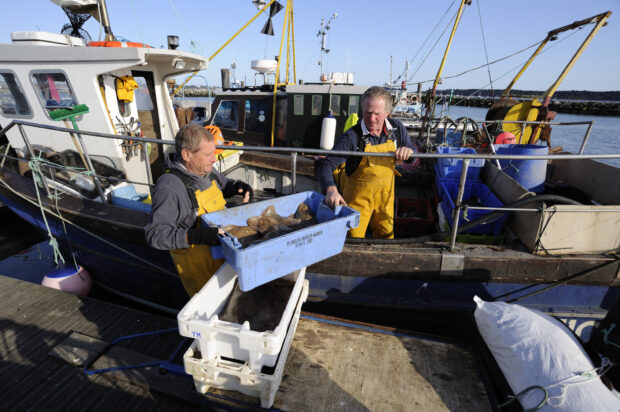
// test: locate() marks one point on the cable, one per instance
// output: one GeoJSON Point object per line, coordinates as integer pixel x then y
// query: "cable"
{"type": "Point", "coordinates": [484, 42]}
{"type": "Point", "coordinates": [432, 48]}
{"type": "Point", "coordinates": [426, 40]}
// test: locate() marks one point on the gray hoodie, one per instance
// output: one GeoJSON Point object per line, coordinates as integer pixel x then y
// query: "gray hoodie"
{"type": "Point", "coordinates": [172, 213]}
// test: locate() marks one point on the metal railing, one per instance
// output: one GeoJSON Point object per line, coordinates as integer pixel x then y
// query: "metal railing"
{"type": "Point", "coordinates": [294, 152]}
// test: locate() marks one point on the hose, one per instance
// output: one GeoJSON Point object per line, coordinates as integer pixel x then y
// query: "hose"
{"type": "Point", "coordinates": [480, 221]}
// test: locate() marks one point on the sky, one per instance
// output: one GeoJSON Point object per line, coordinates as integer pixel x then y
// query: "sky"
{"type": "Point", "coordinates": [365, 37]}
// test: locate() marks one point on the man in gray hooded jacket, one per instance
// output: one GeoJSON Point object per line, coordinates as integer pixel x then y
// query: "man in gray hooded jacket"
{"type": "Point", "coordinates": [189, 188]}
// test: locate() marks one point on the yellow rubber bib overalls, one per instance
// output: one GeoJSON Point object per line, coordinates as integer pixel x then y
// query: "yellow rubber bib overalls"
{"type": "Point", "coordinates": [195, 264]}
{"type": "Point", "coordinates": [370, 190]}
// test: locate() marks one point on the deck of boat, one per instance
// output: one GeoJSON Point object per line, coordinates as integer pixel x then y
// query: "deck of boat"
{"type": "Point", "coordinates": [331, 365]}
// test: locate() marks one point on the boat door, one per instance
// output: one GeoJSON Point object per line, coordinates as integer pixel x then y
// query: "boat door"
{"type": "Point", "coordinates": [149, 119]}
{"type": "Point", "coordinates": [248, 119]}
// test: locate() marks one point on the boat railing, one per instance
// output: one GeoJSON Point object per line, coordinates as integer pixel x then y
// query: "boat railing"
{"type": "Point", "coordinates": [295, 151]}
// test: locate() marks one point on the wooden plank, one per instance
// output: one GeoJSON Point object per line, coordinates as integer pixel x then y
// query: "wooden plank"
{"type": "Point", "coordinates": [335, 368]}
{"type": "Point", "coordinates": [482, 264]}
{"type": "Point", "coordinates": [278, 162]}
{"type": "Point", "coordinates": [78, 349]}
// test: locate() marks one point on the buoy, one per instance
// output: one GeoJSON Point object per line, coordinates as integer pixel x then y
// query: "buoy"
{"type": "Point", "coordinates": [68, 279]}
{"type": "Point", "coordinates": [328, 132]}
{"type": "Point", "coordinates": [505, 138]}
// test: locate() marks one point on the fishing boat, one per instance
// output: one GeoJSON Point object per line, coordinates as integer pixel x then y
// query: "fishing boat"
{"type": "Point", "coordinates": [80, 155]}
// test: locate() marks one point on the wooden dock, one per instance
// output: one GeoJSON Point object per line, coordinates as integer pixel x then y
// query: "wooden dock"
{"type": "Point", "coordinates": [331, 365]}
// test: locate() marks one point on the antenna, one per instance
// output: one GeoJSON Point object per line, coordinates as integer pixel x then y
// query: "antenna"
{"type": "Point", "coordinates": [323, 33]}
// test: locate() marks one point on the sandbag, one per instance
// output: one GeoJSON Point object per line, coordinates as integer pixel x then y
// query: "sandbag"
{"type": "Point", "coordinates": [532, 348]}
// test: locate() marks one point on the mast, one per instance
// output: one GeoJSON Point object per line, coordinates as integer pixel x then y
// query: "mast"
{"type": "Point", "coordinates": [105, 21]}
{"type": "Point", "coordinates": [323, 34]}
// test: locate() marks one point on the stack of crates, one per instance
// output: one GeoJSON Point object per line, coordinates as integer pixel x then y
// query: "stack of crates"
{"type": "Point", "coordinates": [232, 356]}
{"type": "Point", "coordinates": [450, 169]}
{"type": "Point", "coordinates": [484, 196]}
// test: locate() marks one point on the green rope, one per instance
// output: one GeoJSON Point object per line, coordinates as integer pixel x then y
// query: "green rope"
{"type": "Point", "coordinates": [37, 177]}
{"type": "Point", "coordinates": [35, 164]}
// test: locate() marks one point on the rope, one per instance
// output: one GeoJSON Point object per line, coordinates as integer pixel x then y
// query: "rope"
{"type": "Point", "coordinates": [587, 376]}
{"type": "Point", "coordinates": [432, 48]}
{"type": "Point", "coordinates": [426, 40]}
{"type": "Point", "coordinates": [484, 42]}
{"type": "Point", "coordinates": [37, 177]}
{"type": "Point", "coordinates": [133, 8]}
{"type": "Point", "coordinates": [195, 46]}
{"type": "Point", "coordinates": [509, 71]}
{"type": "Point", "coordinates": [64, 228]}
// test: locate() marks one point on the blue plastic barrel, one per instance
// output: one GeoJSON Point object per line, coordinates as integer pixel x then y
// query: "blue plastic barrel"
{"type": "Point", "coordinates": [530, 174]}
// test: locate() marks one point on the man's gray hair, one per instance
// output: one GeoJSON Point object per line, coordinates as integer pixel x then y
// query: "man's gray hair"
{"type": "Point", "coordinates": [190, 136]}
{"type": "Point", "coordinates": [378, 91]}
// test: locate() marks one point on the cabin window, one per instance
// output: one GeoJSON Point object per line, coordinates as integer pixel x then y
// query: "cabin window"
{"type": "Point", "coordinates": [12, 99]}
{"type": "Point", "coordinates": [54, 90]}
{"type": "Point", "coordinates": [298, 104]}
{"type": "Point", "coordinates": [317, 103]}
{"type": "Point", "coordinates": [335, 104]}
{"type": "Point", "coordinates": [227, 115]}
{"type": "Point", "coordinates": [354, 102]}
{"type": "Point", "coordinates": [255, 116]}
{"type": "Point", "coordinates": [143, 94]}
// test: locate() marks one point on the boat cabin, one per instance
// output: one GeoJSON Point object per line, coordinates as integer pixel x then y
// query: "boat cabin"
{"type": "Point", "coordinates": [245, 114]}
{"type": "Point", "coordinates": [122, 84]}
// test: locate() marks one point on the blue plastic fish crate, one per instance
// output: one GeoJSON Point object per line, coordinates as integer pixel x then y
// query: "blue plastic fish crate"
{"type": "Point", "coordinates": [451, 168]}
{"type": "Point", "coordinates": [485, 197]}
{"type": "Point", "coordinates": [274, 258]}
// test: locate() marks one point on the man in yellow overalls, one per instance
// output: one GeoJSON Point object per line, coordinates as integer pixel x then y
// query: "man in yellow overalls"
{"type": "Point", "coordinates": [367, 183]}
{"type": "Point", "coordinates": [189, 188]}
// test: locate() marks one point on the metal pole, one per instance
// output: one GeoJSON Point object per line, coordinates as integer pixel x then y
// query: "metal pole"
{"type": "Point", "coordinates": [149, 176]}
{"type": "Point", "coordinates": [457, 208]}
{"type": "Point", "coordinates": [105, 21]}
{"type": "Point", "coordinates": [92, 168]}
{"type": "Point", "coordinates": [293, 171]}
{"type": "Point", "coordinates": [491, 144]}
{"type": "Point", "coordinates": [585, 138]}
{"type": "Point", "coordinates": [6, 152]}
{"type": "Point", "coordinates": [32, 155]}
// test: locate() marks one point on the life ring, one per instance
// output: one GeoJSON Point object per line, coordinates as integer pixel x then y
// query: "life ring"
{"type": "Point", "coordinates": [118, 44]}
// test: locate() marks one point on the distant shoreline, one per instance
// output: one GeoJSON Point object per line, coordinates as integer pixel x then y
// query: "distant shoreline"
{"type": "Point", "coordinates": [569, 95]}
{"type": "Point", "coordinates": [588, 107]}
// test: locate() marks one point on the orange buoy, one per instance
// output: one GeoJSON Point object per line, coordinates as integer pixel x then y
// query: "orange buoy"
{"type": "Point", "coordinates": [118, 44]}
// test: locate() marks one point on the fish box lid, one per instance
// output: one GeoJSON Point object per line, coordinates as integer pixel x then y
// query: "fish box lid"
{"type": "Point", "coordinates": [42, 38]}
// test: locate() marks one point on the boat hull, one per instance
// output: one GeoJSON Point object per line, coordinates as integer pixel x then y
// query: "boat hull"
{"type": "Point", "coordinates": [109, 242]}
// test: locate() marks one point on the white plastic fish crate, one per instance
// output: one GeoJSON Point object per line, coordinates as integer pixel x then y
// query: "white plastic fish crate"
{"type": "Point", "coordinates": [230, 159]}
{"type": "Point", "coordinates": [260, 263]}
{"type": "Point", "coordinates": [216, 338]}
{"type": "Point", "coordinates": [240, 377]}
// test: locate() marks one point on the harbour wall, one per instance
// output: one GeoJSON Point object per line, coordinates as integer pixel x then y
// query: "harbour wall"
{"type": "Point", "coordinates": [590, 107]}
